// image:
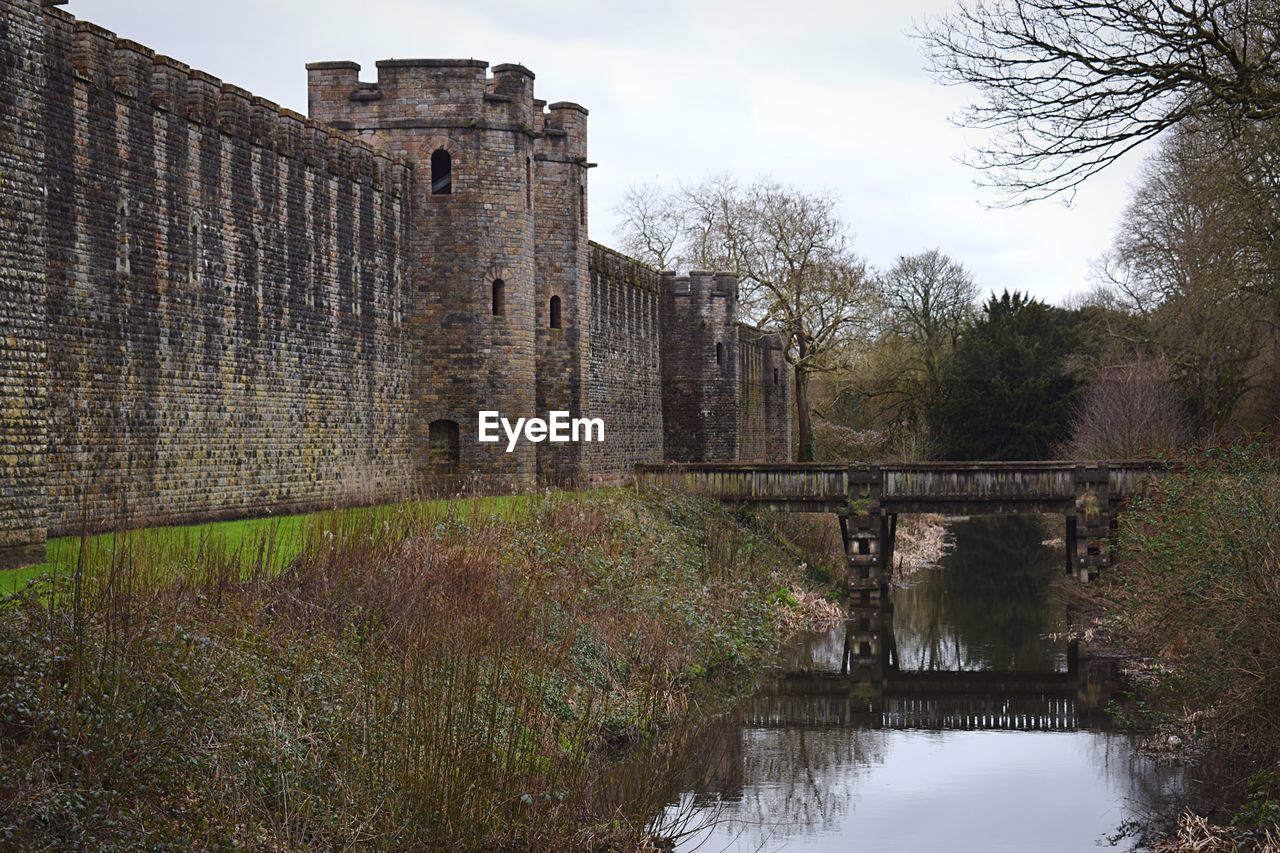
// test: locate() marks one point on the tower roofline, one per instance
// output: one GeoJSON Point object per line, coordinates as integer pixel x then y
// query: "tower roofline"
{"type": "Point", "coordinates": [432, 63]}
{"type": "Point", "coordinates": [338, 65]}
{"type": "Point", "coordinates": [514, 67]}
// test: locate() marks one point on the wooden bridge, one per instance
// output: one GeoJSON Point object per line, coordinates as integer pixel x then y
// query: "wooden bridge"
{"type": "Point", "coordinates": [868, 498]}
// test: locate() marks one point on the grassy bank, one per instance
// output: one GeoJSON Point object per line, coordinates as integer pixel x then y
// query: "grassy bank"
{"type": "Point", "coordinates": [273, 541]}
{"type": "Point", "coordinates": [414, 677]}
{"type": "Point", "coordinates": [1195, 596]}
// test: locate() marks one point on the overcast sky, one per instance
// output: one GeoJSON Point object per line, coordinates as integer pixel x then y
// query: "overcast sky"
{"type": "Point", "coordinates": [825, 95]}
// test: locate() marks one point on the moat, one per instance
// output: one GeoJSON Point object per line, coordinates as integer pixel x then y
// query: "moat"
{"type": "Point", "coordinates": [980, 728]}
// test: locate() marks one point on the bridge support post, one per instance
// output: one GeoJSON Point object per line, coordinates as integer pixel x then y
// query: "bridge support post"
{"type": "Point", "coordinates": [868, 534]}
{"type": "Point", "coordinates": [869, 652]}
{"type": "Point", "coordinates": [1091, 522]}
{"type": "Point", "coordinates": [1071, 544]}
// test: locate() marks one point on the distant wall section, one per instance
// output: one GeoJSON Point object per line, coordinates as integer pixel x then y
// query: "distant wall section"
{"type": "Point", "coordinates": [764, 397]}
{"type": "Point", "coordinates": [625, 366]}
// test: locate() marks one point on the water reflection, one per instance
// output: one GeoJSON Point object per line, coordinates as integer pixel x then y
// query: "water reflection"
{"type": "Point", "coordinates": [951, 721]}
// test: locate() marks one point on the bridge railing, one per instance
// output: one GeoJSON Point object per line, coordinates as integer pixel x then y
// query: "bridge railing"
{"type": "Point", "coordinates": [818, 485]}
{"type": "Point", "coordinates": [1003, 481]}
{"type": "Point", "coordinates": [911, 486]}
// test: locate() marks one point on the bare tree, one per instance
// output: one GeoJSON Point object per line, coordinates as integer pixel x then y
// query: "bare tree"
{"type": "Point", "coordinates": [1181, 263]}
{"type": "Point", "coordinates": [1070, 86]}
{"type": "Point", "coordinates": [928, 299]}
{"type": "Point", "coordinates": [651, 226]}
{"type": "Point", "coordinates": [798, 274]}
{"type": "Point", "coordinates": [1130, 410]}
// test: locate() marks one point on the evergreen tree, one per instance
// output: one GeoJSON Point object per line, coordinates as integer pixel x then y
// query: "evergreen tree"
{"type": "Point", "coordinates": [1011, 394]}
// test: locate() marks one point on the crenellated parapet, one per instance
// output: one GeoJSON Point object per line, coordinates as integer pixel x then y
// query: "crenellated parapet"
{"type": "Point", "coordinates": [101, 59]}
{"type": "Point", "coordinates": [615, 266]}
{"type": "Point", "coordinates": [564, 133]}
{"type": "Point", "coordinates": [423, 94]}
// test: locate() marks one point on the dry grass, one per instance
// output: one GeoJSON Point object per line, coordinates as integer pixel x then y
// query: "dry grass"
{"type": "Point", "coordinates": [413, 680]}
{"type": "Point", "coordinates": [921, 543]}
{"type": "Point", "coordinates": [1195, 834]}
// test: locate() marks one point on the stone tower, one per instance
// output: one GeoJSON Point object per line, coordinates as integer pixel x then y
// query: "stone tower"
{"type": "Point", "coordinates": [700, 364]}
{"type": "Point", "coordinates": [562, 261]}
{"type": "Point", "coordinates": [477, 306]}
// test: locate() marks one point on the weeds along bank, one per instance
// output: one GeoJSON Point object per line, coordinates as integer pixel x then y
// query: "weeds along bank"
{"type": "Point", "coordinates": [414, 679]}
{"type": "Point", "coordinates": [1195, 595]}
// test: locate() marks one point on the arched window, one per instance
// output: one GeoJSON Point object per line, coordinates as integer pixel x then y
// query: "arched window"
{"type": "Point", "coordinates": [441, 172]}
{"type": "Point", "coordinates": [499, 297]}
{"type": "Point", "coordinates": [719, 353]}
{"type": "Point", "coordinates": [555, 312]}
{"type": "Point", "coordinates": [443, 448]}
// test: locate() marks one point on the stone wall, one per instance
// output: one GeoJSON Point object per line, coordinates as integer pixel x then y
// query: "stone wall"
{"type": "Point", "coordinates": [22, 284]}
{"type": "Point", "coordinates": [625, 375]}
{"type": "Point", "coordinates": [764, 397]}
{"type": "Point", "coordinates": [226, 298]}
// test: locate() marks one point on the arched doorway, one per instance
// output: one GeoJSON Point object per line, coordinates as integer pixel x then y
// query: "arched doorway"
{"type": "Point", "coordinates": [444, 452]}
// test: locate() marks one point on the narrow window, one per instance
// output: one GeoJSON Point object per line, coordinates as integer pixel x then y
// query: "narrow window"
{"type": "Point", "coordinates": [582, 205]}
{"type": "Point", "coordinates": [356, 272]}
{"type": "Point", "coordinates": [555, 312]}
{"type": "Point", "coordinates": [193, 253]}
{"type": "Point", "coordinates": [499, 297]}
{"type": "Point", "coordinates": [443, 445]}
{"type": "Point", "coordinates": [528, 183]}
{"type": "Point", "coordinates": [719, 353]}
{"type": "Point", "coordinates": [775, 376]}
{"type": "Point", "coordinates": [124, 248]}
{"type": "Point", "coordinates": [123, 251]}
{"type": "Point", "coordinates": [441, 172]}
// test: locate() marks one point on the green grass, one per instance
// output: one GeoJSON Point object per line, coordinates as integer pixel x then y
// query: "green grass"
{"type": "Point", "coordinates": [278, 539]}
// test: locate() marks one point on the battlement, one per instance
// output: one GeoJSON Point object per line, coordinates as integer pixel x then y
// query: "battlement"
{"type": "Point", "coordinates": [564, 132]}
{"type": "Point", "coordinates": [615, 266]}
{"type": "Point", "coordinates": [101, 59]}
{"type": "Point", "coordinates": [702, 284]}
{"type": "Point", "coordinates": [443, 94]}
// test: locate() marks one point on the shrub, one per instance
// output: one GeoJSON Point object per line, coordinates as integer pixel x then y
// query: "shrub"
{"type": "Point", "coordinates": [1197, 590]}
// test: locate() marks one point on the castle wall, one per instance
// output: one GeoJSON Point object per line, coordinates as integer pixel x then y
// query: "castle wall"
{"type": "Point", "coordinates": [212, 307]}
{"type": "Point", "coordinates": [625, 370]}
{"type": "Point", "coordinates": [22, 285]}
{"type": "Point", "coordinates": [226, 298]}
{"type": "Point", "coordinates": [700, 364]}
{"type": "Point", "coordinates": [778, 399]}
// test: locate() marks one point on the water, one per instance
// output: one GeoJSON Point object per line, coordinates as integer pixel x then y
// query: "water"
{"type": "Point", "coordinates": [963, 724]}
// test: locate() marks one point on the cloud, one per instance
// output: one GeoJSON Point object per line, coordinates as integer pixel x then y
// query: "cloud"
{"type": "Point", "coordinates": [824, 95]}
